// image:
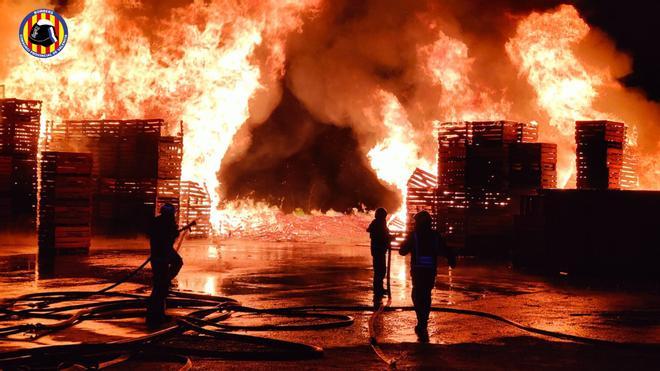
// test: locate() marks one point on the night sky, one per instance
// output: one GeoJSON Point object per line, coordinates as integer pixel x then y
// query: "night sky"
{"type": "Point", "coordinates": [633, 25]}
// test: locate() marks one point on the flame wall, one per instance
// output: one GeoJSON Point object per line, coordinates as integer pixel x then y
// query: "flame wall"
{"type": "Point", "coordinates": [386, 71]}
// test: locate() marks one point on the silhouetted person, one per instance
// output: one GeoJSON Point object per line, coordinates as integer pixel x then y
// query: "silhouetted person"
{"type": "Point", "coordinates": [165, 263]}
{"type": "Point", "coordinates": [380, 243]}
{"type": "Point", "coordinates": [426, 245]}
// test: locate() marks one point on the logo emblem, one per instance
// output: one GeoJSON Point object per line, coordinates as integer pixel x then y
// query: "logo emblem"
{"type": "Point", "coordinates": [43, 33]}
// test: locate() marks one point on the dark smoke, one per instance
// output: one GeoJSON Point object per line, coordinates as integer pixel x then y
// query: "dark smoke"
{"type": "Point", "coordinates": [295, 161]}
{"type": "Point", "coordinates": [311, 152]}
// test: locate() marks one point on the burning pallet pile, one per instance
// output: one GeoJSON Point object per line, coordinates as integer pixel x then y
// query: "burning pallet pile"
{"type": "Point", "coordinates": [563, 230]}
{"type": "Point", "coordinates": [630, 168]}
{"type": "Point", "coordinates": [195, 205]}
{"type": "Point", "coordinates": [134, 169]}
{"type": "Point", "coordinates": [170, 154]}
{"type": "Point", "coordinates": [484, 167]}
{"type": "Point", "coordinates": [421, 195]}
{"type": "Point", "coordinates": [19, 142]}
{"type": "Point", "coordinates": [65, 202]}
{"type": "Point", "coordinates": [600, 147]}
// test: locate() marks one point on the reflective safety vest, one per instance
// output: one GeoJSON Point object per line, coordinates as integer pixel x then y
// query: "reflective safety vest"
{"type": "Point", "coordinates": [424, 261]}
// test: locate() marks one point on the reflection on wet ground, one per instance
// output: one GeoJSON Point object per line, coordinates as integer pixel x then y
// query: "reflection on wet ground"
{"type": "Point", "coordinates": [291, 274]}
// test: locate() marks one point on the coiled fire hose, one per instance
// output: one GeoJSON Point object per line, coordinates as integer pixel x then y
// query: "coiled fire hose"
{"type": "Point", "coordinates": [207, 315]}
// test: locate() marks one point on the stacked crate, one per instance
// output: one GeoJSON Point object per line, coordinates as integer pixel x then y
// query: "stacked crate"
{"type": "Point", "coordinates": [125, 169]}
{"type": "Point", "coordinates": [599, 154]}
{"type": "Point", "coordinates": [5, 189]}
{"type": "Point", "coordinates": [487, 167]}
{"type": "Point", "coordinates": [492, 204]}
{"type": "Point", "coordinates": [483, 167]}
{"type": "Point", "coordinates": [492, 133]}
{"type": "Point", "coordinates": [454, 139]}
{"type": "Point", "coordinates": [630, 168]}
{"type": "Point", "coordinates": [195, 205]}
{"type": "Point", "coordinates": [170, 153]}
{"type": "Point", "coordinates": [532, 165]}
{"type": "Point", "coordinates": [19, 141]}
{"type": "Point", "coordinates": [421, 195]}
{"type": "Point", "coordinates": [65, 202]}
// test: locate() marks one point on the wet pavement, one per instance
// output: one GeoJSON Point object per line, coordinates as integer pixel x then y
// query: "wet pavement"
{"type": "Point", "coordinates": [285, 274]}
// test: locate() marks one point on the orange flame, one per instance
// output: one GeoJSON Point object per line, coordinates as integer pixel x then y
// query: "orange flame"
{"type": "Point", "coordinates": [217, 65]}
{"type": "Point", "coordinates": [447, 63]}
{"type": "Point", "coordinates": [216, 57]}
{"type": "Point", "coordinates": [543, 49]}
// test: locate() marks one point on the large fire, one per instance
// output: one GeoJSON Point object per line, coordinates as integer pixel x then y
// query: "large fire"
{"type": "Point", "coordinates": [220, 65]}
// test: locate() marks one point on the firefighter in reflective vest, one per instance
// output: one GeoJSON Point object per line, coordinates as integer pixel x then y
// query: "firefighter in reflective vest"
{"type": "Point", "coordinates": [425, 245]}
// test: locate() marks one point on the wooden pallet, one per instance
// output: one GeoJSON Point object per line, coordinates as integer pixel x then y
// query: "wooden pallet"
{"type": "Point", "coordinates": [23, 190]}
{"type": "Point", "coordinates": [533, 165]}
{"type": "Point", "coordinates": [5, 174]}
{"type": "Point", "coordinates": [170, 154]}
{"type": "Point", "coordinates": [599, 154]}
{"type": "Point", "coordinates": [486, 133]}
{"type": "Point", "coordinates": [19, 126]}
{"type": "Point", "coordinates": [600, 131]}
{"type": "Point", "coordinates": [453, 140]}
{"type": "Point", "coordinates": [421, 196]}
{"type": "Point", "coordinates": [487, 167]}
{"type": "Point", "coordinates": [630, 168]}
{"type": "Point", "coordinates": [195, 204]}
{"type": "Point", "coordinates": [121, 148]}
{"type": "Point", "coordinates": [65, 202]}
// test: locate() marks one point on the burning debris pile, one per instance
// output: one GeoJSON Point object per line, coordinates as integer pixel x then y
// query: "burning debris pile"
{"type": "Point", "coordinates": [19, 143]}
{"type": "Point", "coordinates": [326, 228]}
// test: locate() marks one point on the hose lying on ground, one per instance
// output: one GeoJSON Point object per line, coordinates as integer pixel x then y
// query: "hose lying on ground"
{"type": "Point", "coordinates": [207, 316]}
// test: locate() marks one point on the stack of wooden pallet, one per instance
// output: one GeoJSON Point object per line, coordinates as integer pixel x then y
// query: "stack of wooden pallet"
{"type": "Point", "coordinates": [65, 202]}
{"type": "Point", "coordinates": [489, 133]}
{"type": "Point", "coordinates": [483, 166]}
{"type": "Point", "coordinates": [125, 169]}
{"type": "Point", "coordinates": [630, 167]}
{"type": "Point", "coordinates": [195, 205]}
{"type": "Point", "coordinates": [599, 154]}
{"type": "Point", "coordinates": [170, 153]}
{"type": "Point", "coordinates": [19, 141]}
{"type": "Point", "coordinates": [5, 189]}
{"type": "Point", "coordinates": [532, 165]}
{"type": "Point", "coordinates": [453, 141]}
{"type": "Point", "coordinates": [421, 195]}
{"type": "Point", "coordinates": [487, 168]}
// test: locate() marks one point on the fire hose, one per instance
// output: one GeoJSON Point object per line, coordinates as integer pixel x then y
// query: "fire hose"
{"type": "Point", "coordinates": [207, 317]}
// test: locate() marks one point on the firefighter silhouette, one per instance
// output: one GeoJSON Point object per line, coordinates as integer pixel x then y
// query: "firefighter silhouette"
{"type": "Point", "coordinates": [43, 33]}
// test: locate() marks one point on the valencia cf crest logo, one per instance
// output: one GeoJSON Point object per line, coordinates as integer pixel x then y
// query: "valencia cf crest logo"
{"type": "Point", "coordinates": [43, 33]}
